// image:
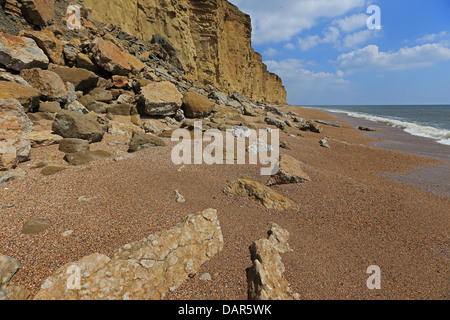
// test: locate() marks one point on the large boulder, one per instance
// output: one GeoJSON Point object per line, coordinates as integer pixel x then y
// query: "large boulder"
{"type": "Point", "coordinates": [196, 106]}
{"type": "Point", "coordinates": [289, 171]}
{"type": "Point", "coordinates": [38, 12]}
{"type": "Point", "coordinates": [47, 41]}
{"type": "Point", "coordinates": [18, 53]}
{"type": "Point", "coordinates": [72, 124]}
{"type": "Point", "coordinates": [27, 96]}
{"type": "Point", "coordinates": [47, 82]}
{"type": "Point", "coordinates": [144, 270]}
{"type": "Point", "coordinates": [110, 57]}
{"type": "Point", "coordinates": [82, 79]}
{"type": "Point", "coordinates": [15, 147]}
{"type": "Point", "coordinates": [161, 99]}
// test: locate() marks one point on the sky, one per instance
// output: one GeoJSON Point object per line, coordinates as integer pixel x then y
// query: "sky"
{"type": "Point", "coordinates": [326, 53]}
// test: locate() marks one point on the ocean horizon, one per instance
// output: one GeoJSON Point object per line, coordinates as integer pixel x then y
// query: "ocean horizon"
{"type": "Point", "coordinates": [429, 121]}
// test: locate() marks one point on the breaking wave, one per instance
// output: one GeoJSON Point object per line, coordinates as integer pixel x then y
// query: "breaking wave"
{"type": "Point", "coordinates": [441, 135]}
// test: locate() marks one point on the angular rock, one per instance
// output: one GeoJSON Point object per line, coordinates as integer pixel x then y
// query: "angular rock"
{"type": "Point", "coordinates": [123, 129]}
{"type": "Point", "coordinates": [120, 81]}
{"type": "Point", "coordinates": [141, 141]}
{"type": "Point", "coordinates": [311, 126]}
{"type": "Point", "coordinates": [143, 270]}
{"type": "Point", "coordinates": [196, 106]}
{"type": "Point", "coordinates": [18, 53]}
{"type": "Point", "coordinates": [289, 172]}
{"type": "Point", "coordinates": [101, 95]}
{"type": "Point", "coordinates": [219, 97]}
{"type": "Point", "coordinates": [266, 196]}
{"type": "Point", "coordinates": [324, 143]}
{"type": "Point", "coordinates": [280, 124]}
{"type": "Point", "coordinates": [265, 278]}
{"type": "Point", "coordinates": [47, 82]}
{"type": "Point", "coordinates": [123, 109]}
{"type": "Point", "coordinates": [43, 138]}
{"type": "Point", "coordinates": [82, 79]}
{"type": "Point", "coordinates": [50, 107]}
{"type": "Point", "coordinates": [76, 107]}
{"type": "Point", "coordinates": [83, 157]}
{"type": "Point", "coordinates": [72, 145]}
{"type": "Point", "coordinates": [28, 97]}
{"type": "Point", "coordinates": [15, 147]}
{"type": "Point", "coordinates": [8, 291]}
{"type": "Point", "coordinates": [8, 268]}
{"type": "Point", "coordinates": [161, 99]}
{"type": "Point", "coordinates": [38, 12]}
{"type": "Point", "coordinates": [110, 57]}
{"type": "Point", "coordinates": [83, 61]}
{"type": "Point", "coordinates": [46, 40]}
{"type": "Point", "coordinates": [71, 124]}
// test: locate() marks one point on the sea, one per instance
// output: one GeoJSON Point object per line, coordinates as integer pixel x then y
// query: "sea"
{"type": "Point", "coordinates": [429, 121]}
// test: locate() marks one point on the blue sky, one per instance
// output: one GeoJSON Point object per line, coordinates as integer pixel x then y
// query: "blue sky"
{"type": "Point", "coordinates": [326, 54]}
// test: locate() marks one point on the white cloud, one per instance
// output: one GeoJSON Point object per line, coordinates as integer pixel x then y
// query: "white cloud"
{"type": "Point", "coordinates": [432, 37]}
{"type": "Point", "coordinates": [330, 36]}
{"type": "Point", "coordinates": [289, 46]}
{"type": "Point", "coordinates": [293, 70]}
{"type": "Point", "coordinates": [355, 39]}
{"type": "Point", "coordinates": [276, 21]}
{"type": "Point", "coordinates": [352, 23]}
{"type": "Point", "coordinates": [371, 58]}
{"type": "Point", "coordinates": [270, 53]}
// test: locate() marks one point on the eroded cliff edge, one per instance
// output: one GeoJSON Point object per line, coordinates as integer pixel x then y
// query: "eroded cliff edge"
{"type": "Point", "coordinates": [213, 37]}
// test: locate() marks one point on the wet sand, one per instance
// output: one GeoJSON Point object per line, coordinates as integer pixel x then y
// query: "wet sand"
{"type": "Point", "coordinates": [350, 217]}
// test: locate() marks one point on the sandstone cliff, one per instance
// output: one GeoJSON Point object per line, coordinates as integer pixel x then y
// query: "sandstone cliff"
{"type": "Point", "coordinates": [213, 38]}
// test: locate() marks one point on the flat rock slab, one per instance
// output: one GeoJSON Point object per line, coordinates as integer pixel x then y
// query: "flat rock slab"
{"type": "Point", "coordinates": [141, 141]}
{"type": "Point", "coordinates": [34, 226]}
{"type": "Point", "coordinates": [265, 195]}
{"type": "Point", "coordinates": [73, 145]}
{"type": "Point", "coordinates": [83, 157]}
{"type": "Point", "coordinates": [49, 171]}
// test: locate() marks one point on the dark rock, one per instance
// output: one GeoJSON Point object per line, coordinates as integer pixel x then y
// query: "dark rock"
{"type": "Point", "coordinates": [71, 124]}
{"type": "Point", "coordinates": [141, 141]}
{"type": "Point", "coordinates": [83, 157]}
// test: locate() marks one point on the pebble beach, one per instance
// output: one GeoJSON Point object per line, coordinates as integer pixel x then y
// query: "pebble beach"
{"type": "Point", "coordinates": [350, 216]}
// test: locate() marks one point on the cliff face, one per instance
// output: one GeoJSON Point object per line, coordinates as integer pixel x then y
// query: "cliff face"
{"type": "Point", "coordinates": [213, 37]}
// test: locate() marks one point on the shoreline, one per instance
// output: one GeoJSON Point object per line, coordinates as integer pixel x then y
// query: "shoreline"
{"type": "Point", "coordinates": [349, 217]}
{"type": "Point", "coordinates": [430, 178]}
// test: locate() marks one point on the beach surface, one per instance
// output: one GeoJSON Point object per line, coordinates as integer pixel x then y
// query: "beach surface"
{"type": "Point", "coordinates": [356, 212]}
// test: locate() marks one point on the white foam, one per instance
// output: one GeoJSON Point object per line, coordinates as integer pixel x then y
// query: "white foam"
{"type": "Point", "coordinates": [416, 129]}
